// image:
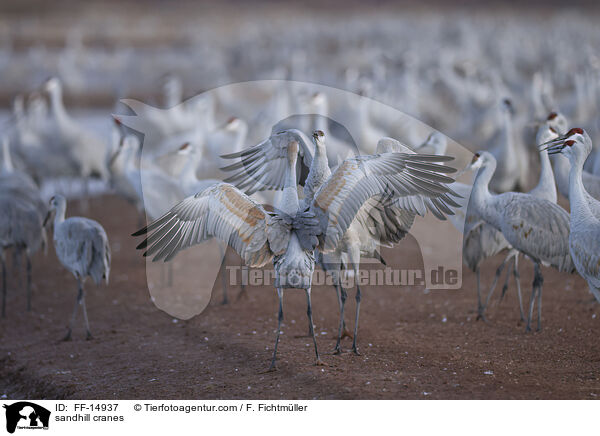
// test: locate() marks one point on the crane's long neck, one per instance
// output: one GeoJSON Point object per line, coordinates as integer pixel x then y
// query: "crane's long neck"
{"type": "Point", "coordinates": [580, 208]}
{"type": "Point", "coordinates": [481, 197]}
{"type": "Point", "coordinates": [58, 107]}
{"type": "Point", "coordinates": [61, 209]}
{"type": "Point", "coordinates": [561, 173]}
{"type": "Point", "coordinates": [289, 200]}
{"type": "Point", "coordinates": [319, 172]}
{"type": "Point", "coordinates": [546, 182]}
{"type": "Point", "coordinates": [7, 165]}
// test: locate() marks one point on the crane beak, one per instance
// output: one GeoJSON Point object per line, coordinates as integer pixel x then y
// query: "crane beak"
{"type": "Point", "coordinates": [466, 169]}
{"type": "Point", "coordinates": [114, 156]}
{"type": "Point", "coordinates": [117, 152]}
{"type": "Point", "coordinates": [47, 218]}
{"type": "Point", "coordinates": [555, 145]}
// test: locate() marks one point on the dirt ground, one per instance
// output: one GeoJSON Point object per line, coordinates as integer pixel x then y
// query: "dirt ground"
{"type": "Point", "coordinates": [414, 344]}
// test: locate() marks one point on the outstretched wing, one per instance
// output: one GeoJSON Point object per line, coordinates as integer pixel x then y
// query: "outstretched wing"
{"type": "Point", "coordinates": [357, 179]}
{"type": "Point", "coordinates": [221, 211]}
{"type": "Point", "coordinates": [263, 166]}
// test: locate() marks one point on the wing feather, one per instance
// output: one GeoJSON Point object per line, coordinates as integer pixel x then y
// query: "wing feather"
{"type": "Point", "coordinates": [263, 166]}
{"type": "Point", "coordinates": [221, 211]}
{"type": "Point", "coordinates": [357, 179]}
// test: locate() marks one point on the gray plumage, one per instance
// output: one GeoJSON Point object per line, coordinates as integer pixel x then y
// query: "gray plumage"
{"type": "Point", "coordinates": [480, 240]}
{"type": "Point", "coordinates": [590, 182]}
{"type": "Point", "coordinates": [533, 226]}
{"type": "Point", "coordinates": [82, 247]}
{"type": "Point", "coordinates": [21, 212]}
{"type": "Point", "coordinates": [289, 236]}
{"type": "Point", "coordinates": [584, 238]}
{"type": "Point", "coordinates": [263, 166]}
{"type": "Point", "coordinates": [20, 229]}
{"type": "Point", "coordinates": [546, 190]}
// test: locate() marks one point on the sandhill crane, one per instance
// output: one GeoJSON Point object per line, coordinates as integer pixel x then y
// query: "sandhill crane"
{"type": "Point", "coordinates": [584, 237]}
{"type": "Point", "coordinates": [546, 190]}
{"type": "Point", "coordinates": [82, 247]}
{"type": "Point", "coordinates": [533, 226]}
{"type": "Point", "coordinates": [289, 235]}
{"type": "Point", "coordinates": [87, 150]}
{"type": "Point", "coordinates": [21, 215]}
{"type": "Point", "coordinates": [20, 229]}
{"type": "Point", "coordinates": [398, 214]}
{"type": "Point", "coordinates": [19, 182]}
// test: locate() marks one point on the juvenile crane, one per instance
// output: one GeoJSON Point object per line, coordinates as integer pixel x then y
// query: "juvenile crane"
{"type": "Point", "coordinates": [82, 247]}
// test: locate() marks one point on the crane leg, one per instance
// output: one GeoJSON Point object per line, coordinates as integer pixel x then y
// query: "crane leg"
{"type": "Point", "coordinates": [534, 291]}
{"type": "Point", "coordinates": [343, 294]}
{"type": "Point", "coordinates": [507, 280]}
{"type": "Point", "coordinates": [518, 281]}
{"type": "Point", "coordinates": [3, 285]}
{"type": "Point", "coordinates": [223, 278]}
{"type": "Point", "coordinates": [495, 281]}
{"type": "Point", "coordinates": [342, 327]}
{"type": "Point", "coordinates": [540, 285]}
{"type": "Point", "coordinates": [75, 310]}
{"type": "Point", "coordinates": [279, 320]}
{"type": "Point", "coordinates": [311, 326]}
{"type": "Point", "coordinates": [354, 347]}
{"type": "Point", "coordinates": [88, 333]}
{"type": "Point", "coordinates": [28, 282]}
{"type": "Point", "coordinates": [480, 308]}
{"type": "Point", "coordinates": [17, 265]}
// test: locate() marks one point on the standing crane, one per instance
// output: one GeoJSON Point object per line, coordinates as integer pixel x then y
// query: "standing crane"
{"type": "Point", "coordinates": [289, 235]}
{"type": "Point", "coordinates": [584, 238]}
{"type": "Point", "coordinates": [535, 227]}
{"type": "Point", "coordinates": [82, 247]}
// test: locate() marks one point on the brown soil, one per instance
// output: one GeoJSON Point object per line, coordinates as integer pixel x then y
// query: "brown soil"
{"type": "Point", "coordinates": [414, 344]}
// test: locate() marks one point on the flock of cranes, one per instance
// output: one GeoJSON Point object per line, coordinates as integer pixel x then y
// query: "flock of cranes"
{"type": "Point", "coordinates": [336, 198]}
